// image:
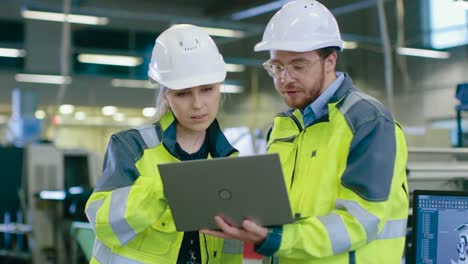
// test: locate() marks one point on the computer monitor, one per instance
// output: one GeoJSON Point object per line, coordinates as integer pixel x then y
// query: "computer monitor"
{"type": "Point", "coordinates": [440, 227]}
{"type": "Point", "coordinates": [79, 171]}
{"type": "Point", "coordinates": [80, 168]}
{"type": "Point", "coordinates": [76, 170]}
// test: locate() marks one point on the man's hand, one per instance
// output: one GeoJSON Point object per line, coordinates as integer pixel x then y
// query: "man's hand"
{"type": "Point", "coordinates": [250, 231]}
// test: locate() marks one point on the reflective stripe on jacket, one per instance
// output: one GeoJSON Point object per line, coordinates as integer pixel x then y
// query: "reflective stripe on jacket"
{"type": "Point", "coordinates": [347, 183]}
{"type": "Point", "coordinates": [128, 210]}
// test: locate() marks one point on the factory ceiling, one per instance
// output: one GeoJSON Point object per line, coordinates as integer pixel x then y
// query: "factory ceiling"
{"type": "Point", "coordinates": [132, 26]}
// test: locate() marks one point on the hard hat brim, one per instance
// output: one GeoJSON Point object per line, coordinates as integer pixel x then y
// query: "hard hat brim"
{"type": "Point", "coordinates": [215, 77]}
{"type": "Point", "coordinates": [295, 46]}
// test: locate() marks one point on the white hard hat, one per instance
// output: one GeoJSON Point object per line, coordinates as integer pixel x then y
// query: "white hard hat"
{"type": "Point", "coordinates": [186, 56]}
{"type": "Point", "coordinates": [301, 25]}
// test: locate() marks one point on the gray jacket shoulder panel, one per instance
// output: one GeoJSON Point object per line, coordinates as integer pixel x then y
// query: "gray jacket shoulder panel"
{"type": "Point", "coordinates": [123, 151]}
{"type": "Point", "coordinates": [371, 158]}
{"type": "Point", "coordinates": [359, 108]}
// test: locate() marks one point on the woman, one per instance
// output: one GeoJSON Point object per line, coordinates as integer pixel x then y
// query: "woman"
{"type": "Point", "coordinates": [130, 215]}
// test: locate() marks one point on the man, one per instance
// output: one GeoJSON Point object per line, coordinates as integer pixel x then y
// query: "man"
{"type": "Point", "coordinates": [342, 153]}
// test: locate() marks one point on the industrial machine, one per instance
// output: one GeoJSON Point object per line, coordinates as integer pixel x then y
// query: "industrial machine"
{"type": "Point", "coordinates": [46, 191]}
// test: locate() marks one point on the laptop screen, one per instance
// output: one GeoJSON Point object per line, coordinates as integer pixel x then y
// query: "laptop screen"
{"type": "Point", "coordinates": [440, 227]}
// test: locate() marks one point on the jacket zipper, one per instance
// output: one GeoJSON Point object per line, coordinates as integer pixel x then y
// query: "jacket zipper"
{"type": "Point", "coordinates": [298, 124]}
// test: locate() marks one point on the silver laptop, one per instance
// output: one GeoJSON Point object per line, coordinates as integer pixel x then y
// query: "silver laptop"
{"type": "Point", "coordinates": [250, 187]}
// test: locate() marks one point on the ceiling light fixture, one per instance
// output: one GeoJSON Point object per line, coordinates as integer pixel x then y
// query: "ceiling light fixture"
{"type": "Point", "coordinates": [80, 116]}
{"type": "Point", "coordinates": [43, 78]}
{"type": "Point", "coordinates": [12, 53]}
{"type": "Point", "coordinates": [235, 67]}
{"type": "Point", "coordinates": [52, 195]}
{"type": "Point", "coordinates": [60, 17]}
{"type": "Point", "coordinates": [423, 53]}
{"type": "Point", "coordinates": [258, 10]}
{"type": "Point", "coordinates": [119, 117]}
{"type": "Point", "coordinates": [109, 110]}
{"type": "Point", "coordinates": [148, 111]}
{"type": "Point", "coordinates": [350, 45]}
{"type": "Point", "coordinates": [40, 114]}
{"type": "Point", "coordinates": [461, 4]}
{"type": "Point", "coordinates": [135, 121]}
{"type": "Point", "coordinates": [231, 88]}
{"type": "Point", "coordinates": [129, 83]}
{"type": "Point", "coordinates": [66, 109]}
{"type": "Point", "coordinates": [223, 32]}
{"type": "Point", "coordinates": [116, 60]}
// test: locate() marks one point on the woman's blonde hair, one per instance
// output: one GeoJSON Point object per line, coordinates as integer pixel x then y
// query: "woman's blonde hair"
{"type": "Point", "coordinates": [162, 106]}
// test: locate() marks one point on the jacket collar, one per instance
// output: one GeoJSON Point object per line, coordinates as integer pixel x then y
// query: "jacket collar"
{"type": "Point", "coordinates": [217, 143]}
{"type": "Point", "coordinates": [345, 88]}
{"type": "Point", "coordinates": [296, 114]}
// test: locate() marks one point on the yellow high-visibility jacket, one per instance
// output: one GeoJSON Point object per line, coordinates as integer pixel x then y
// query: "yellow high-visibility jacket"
{"type": "Point", "coordinates": [128, 210]}
{"type": "Point", "coordinates": [346, 174]}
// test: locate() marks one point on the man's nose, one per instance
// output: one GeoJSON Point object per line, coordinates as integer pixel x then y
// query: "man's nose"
{"type": "Point", "coordinates": [285, 76]}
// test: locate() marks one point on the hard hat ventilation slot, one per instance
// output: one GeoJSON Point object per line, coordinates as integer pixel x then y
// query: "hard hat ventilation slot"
{"type": "Point", "coordinates": [194, 47]}
{"type": "Point", "coordinates": [311, 4]}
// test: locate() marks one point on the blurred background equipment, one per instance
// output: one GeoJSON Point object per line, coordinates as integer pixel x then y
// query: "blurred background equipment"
{"type": "Point", "coordinates": [462, 96]}
{"type": "Point", "coordinates": [23, 126]}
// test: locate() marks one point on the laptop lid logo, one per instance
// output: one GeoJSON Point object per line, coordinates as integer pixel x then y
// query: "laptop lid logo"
{"type": "Point", "coordinates": [224, 194]}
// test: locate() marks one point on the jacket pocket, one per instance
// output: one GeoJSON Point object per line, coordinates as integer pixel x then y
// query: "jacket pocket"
{"type": "Point", "coordinates": [165, 223]}
{"type": "Point", "coordinates": [156, 243]}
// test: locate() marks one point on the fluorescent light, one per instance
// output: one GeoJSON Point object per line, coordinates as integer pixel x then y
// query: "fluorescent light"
{"type": "Point", "coordinates": [235, 67]}
{"type": "Point", "coordinates": [76, 190]}
{"type": "Point", "coordinates": [128, 83]}
{"type": "Point", "coordinates": [12, 53]}
{"type": "Point", "coordinates": [119, 117]}
{"type": "Point", "coordinates": [423, 53]}
{"type": "Point", "coordinates": [66, 109]}
{"type": "Point", "coordinates": [414, 130]}
{"type": "Point", "coordinates": [461, 4]}
{"type": "Point", "coordinates": [135, 121]}
{"type": "Point", "coordinates": [258, 10]}
{"type": "Point", "coordinates": [149, 111]}
{"type": "Point", "coordinates": [42, 78]}
{"type": "Point", "coordinates": [60, 17]}
{"type": "Point", "coordinates": [52, 195]}
{"type": "Point", "coordinates": [118, 60]}
{"type": "Point", "coordinates": [40, 114]}
{"type": "Point", "coordinates": [350, 45]}
{"type": "Point", "coordinates": [222, 32]}
{"type": "Point", "coordinates": [109, 110]}
{"type": "Point", "coordinates": [80, 116]}
{"type": "Point", "coordinates": [231, 88]}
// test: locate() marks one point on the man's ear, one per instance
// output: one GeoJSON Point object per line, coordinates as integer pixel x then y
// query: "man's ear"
{"type": "Point", "coordinates": [330, 62]}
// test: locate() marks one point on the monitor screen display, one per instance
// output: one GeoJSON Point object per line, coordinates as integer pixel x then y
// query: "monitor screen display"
{"type": "Point", "coordinates": [440, 227]}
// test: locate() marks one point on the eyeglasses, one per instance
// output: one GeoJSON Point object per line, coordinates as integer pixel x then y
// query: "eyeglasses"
{"type": "Point", "coordinates": [295, 69]}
